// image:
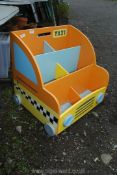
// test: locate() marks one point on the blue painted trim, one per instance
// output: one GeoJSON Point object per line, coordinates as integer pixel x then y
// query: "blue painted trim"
{"type": "Point", "coordinates": [65, 106]}
{"type": "Point", "coordinates": [100, 98]}
{"type": "Point", "coordinates": [85, 93]}
{"type": "Point", "coordinates": [47, 48]}
{"type": "Point", "coordinates": [68, 121]}
{"type": "Point", "coordinates": [22, 64]}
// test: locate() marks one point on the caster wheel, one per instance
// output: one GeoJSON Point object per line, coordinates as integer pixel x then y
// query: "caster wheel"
{"type": "Point", "coordinates": [100, 98]}
{"type": "Point", "coordinates": [17, 99]}
{"type": "Point", "coordinates": [50, 130]}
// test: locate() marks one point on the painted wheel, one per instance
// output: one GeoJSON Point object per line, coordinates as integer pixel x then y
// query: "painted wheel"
{"type": "Point", "coordinates": [50, 130]}
{"type": "Point", "coordinates": [100, 98]}
{"type": "Point", "coordinates": [17, 99]}
{"type": "Point", "coordinates": [68, 121]}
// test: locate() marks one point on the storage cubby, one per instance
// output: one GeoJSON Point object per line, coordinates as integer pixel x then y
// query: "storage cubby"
{"type": "Point", "coordinates": [77, 85]}
{"type": "Point", "coordinates": [52, 62]}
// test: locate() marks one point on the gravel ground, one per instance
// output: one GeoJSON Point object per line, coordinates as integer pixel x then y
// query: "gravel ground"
{"type": "Point", "coordinates": [89, 147]}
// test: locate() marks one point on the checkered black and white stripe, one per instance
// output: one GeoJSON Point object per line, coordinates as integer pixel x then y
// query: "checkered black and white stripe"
{"type": "Point", "coordinates": [51, 118]}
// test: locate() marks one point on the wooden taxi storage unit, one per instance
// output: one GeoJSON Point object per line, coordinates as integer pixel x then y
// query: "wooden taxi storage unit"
{"type": "Point", "coordinates": [56, 76]}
